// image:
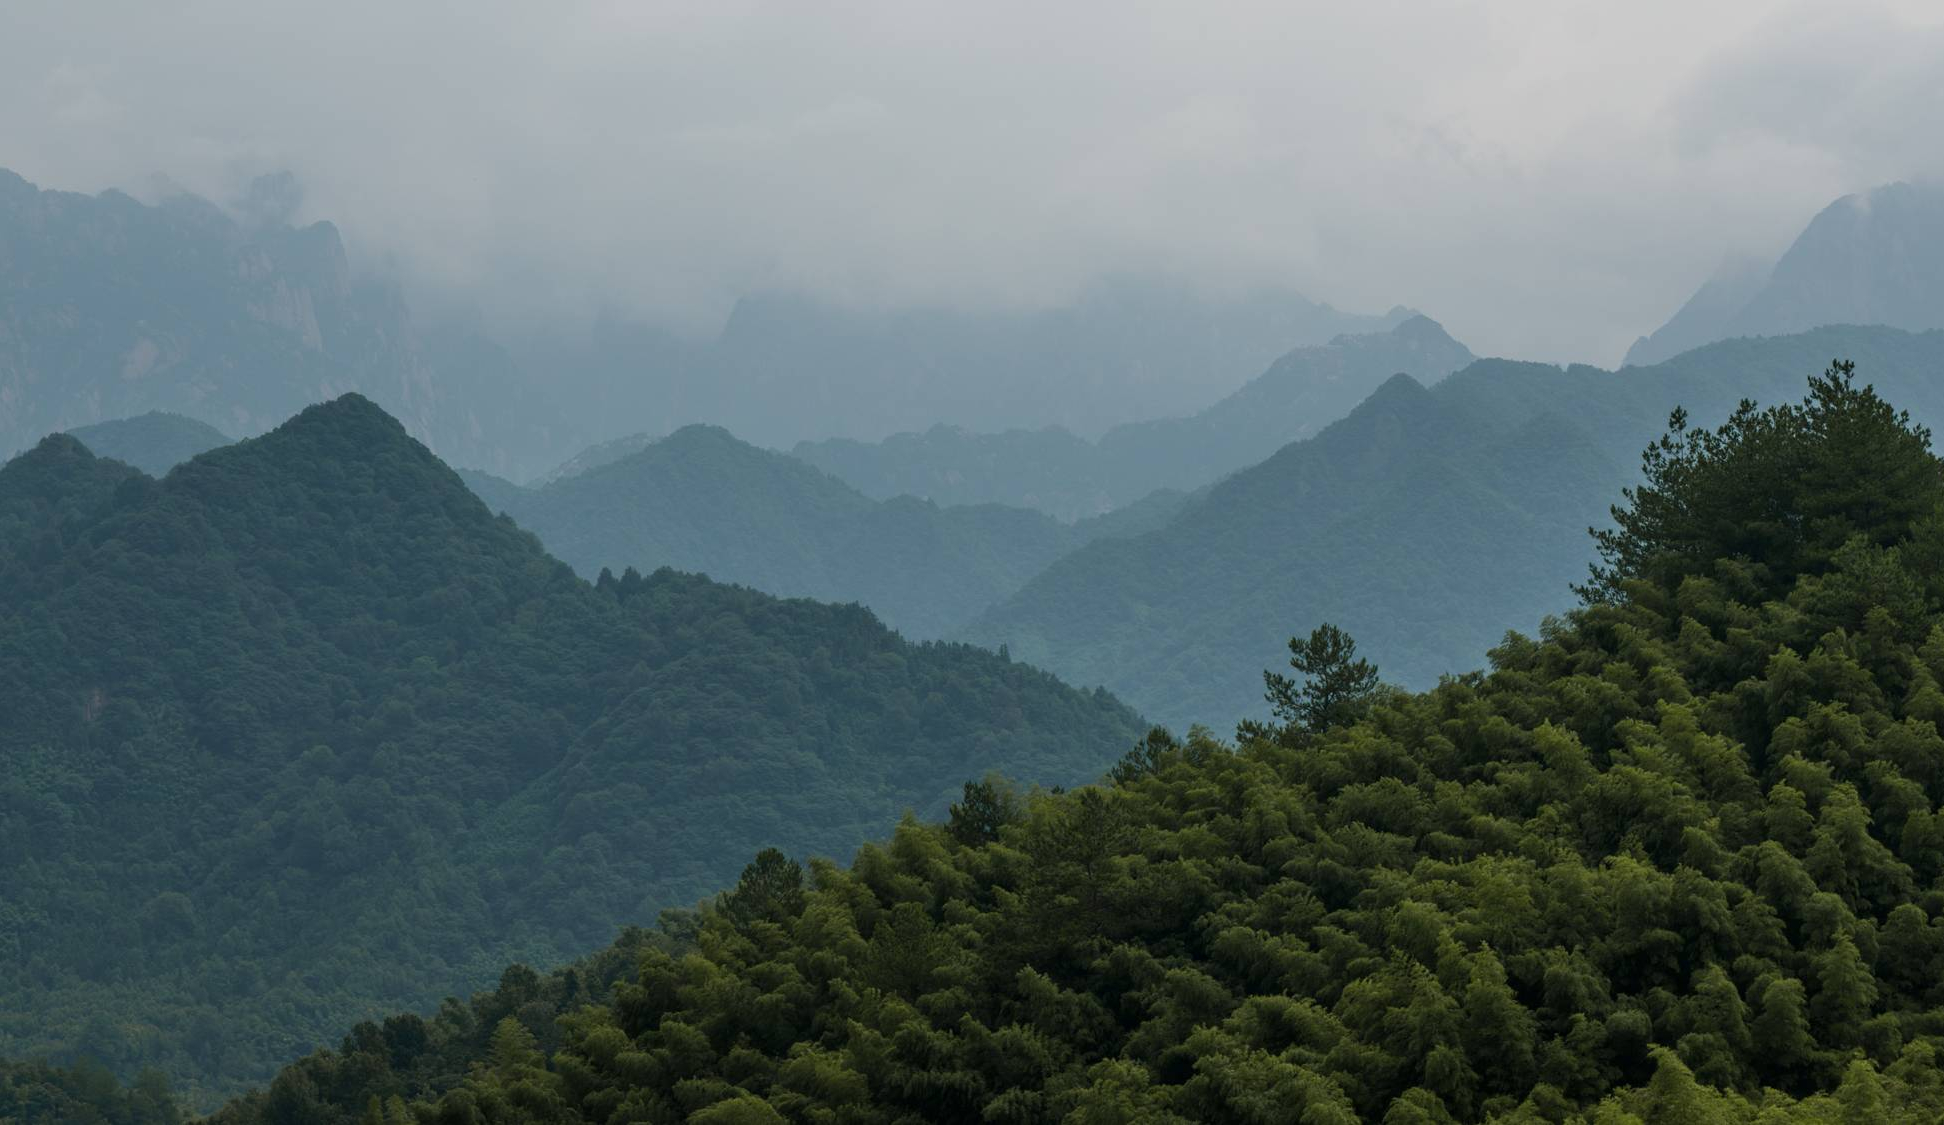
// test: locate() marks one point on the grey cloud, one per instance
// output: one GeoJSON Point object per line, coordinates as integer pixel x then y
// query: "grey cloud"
{"type": "Point", "coordinates": [1549, 180]}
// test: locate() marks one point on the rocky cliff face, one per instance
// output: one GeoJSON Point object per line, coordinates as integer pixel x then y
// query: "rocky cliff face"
{"type": "Point", "coordinates": [111, 308]}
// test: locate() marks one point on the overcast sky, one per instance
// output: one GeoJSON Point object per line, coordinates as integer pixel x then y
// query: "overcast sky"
{"type": "Point", "coordinates": [1549, 179]}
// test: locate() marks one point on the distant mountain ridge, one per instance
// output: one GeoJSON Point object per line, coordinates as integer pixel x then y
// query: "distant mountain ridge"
{"type": "Point", "coordinates": [110, 307]}
{"type": "Point", "coordinates": [1423, 522]}
{"type": "Point", "coordinates": [701, 500]}
{"type": "Point", "coordinates": [301, 733]}
{"type": "Point", "coordinates": [1871, 258]}
{"type": "Point", "coordinates": [154, 442]}
{"type": "Point", "coordinates": [1060, 473]}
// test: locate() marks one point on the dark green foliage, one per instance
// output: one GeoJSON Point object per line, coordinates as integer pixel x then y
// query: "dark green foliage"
{"type": "Point", "coordinates": [1679, 858]}
{"type": "Point", "coordinates": [987, 808]}
{"type": "Point", "coordinates": [154, 442]}
{"type": "Point", "coordinates": [1425, 523]}
{"type": "Point", "coordinates": [1784, 488]}
{"type": "Point", "coordinates": [84, 1094]}
{"type": "Point", "coordinates": [301, 733]}
{"type": "Point", "coordinates": [699, 500]}
{"type": "Point", "coordinates": [1335, 689]}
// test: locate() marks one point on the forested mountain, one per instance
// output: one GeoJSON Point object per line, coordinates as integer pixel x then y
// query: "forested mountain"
{"type": "Point", "coordinates": [1426, 522]}
{"type": "Point", "coordinates": [700, 500]}
{"type": "Point", "coordinates": [1873, 258]}
{"type": "Point", "coordinates": [154, 442]}
{"type": "Point", "coordinates": [1674, 860]}
{"type": "Point", "coordinates": [1057, 472]}
{"type": "Point", "coordinates": [302, 733]}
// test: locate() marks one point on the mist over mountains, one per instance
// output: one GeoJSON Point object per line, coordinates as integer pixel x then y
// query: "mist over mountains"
{"type": "Point", "coordinates": [1427, 523]}
{"type": "Point", "coordinates": [237, 318]}
{"type": "Point", "coordinates": [1056, 471]}
{"type": "Point", "coordinates": [356, 642]}
{"type": "Point", "coordinates": [700, 500]}
{"type": "Point", "coordinates": [1876, 257]}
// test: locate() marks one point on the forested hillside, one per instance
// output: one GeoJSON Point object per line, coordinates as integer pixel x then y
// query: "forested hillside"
{"type": "Point", "coordinates": [1053, 470]}
{"type": "Point", "coordinates": [154, 442]}
{"type": "Point", "coordinates": [1427, 522]}
{"type": "Point", "coordinates": [701, 501]}
{"type": "Point", "coordinates": [1675, 859]}
{"type": "Point", "coordinates": [303, 733]}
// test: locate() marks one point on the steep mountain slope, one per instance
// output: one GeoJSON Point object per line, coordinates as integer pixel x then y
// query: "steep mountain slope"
{"type": "Point", "coordinates": [1056, 472]}
{"type": "Point", "coordinates": [1672, 861]}
{"type": "Point", "coordinates": [111, 308]}
{"type": "Point", "coordinates": [1873, 258]}
{"type": "Point", "coordinates": [302, 732]}
{"type": "Point", "coordinates": [700, 500]}
{"type": "Point", "coordinates": [1423, 523]}
{"type": "Point", "coordinates": [154, 442]}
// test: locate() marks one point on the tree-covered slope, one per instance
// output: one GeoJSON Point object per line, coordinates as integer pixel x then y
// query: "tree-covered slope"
{"type": "Point", "coordinates": [1425, 523]}
{"type": "Point", "coordinates": [1056, 472]}
{"type": "Point", "coordinates": [700, 500]}
{"type": "Point", "coordinates": [1679, 858]}
{"type": "Point", "coordinates": [302, 732]}
{"type": "Point", "coordinates": [154, 442]}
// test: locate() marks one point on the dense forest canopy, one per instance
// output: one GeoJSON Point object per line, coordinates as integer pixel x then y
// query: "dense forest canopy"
{"type": "Point", "coordinates": [1677, 858]}
{"type": "Point", "coordinates": [302, 733]}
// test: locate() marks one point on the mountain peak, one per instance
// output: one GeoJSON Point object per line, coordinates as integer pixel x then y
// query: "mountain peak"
{"type": "Point", "coordinates": [348, 411]}
{"type": "Point", "coordinates": [1398, 388]}
{"type": "Point", "coordinates": [1421, 329]}
{"type": "Point", "coordinates": [54, 449]}
{"type": "Point", "coordinates": [1876, 257]}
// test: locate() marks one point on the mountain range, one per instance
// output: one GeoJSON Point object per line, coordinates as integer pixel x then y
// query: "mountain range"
{"type": "Point", "coordinates": [1426, 523]}
{"type": "Point", "coordinates": [1872, 258]}
{"type": "Point", "coordinates": [302, 733]}
{"type": "Point", "coordinates": [237, 316]}
{"type": "Point", "coordinates": [1056, 471]}
{"type": "Point", "coordinates": [701, 500]}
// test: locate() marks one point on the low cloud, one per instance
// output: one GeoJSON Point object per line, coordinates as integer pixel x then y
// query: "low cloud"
{"type": "Point", "coordinates": [1550, 180]}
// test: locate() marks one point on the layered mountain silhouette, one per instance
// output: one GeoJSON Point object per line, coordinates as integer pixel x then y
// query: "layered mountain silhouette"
{"type": "Point", "coordinates": [1423, 522]}
{"type": "Point", "coordinates": [302, 733]}
{"type": "Point", "coordinates": [236, 317]}
{"type": "Point", "coordinates": [701, 500]}
{"type": "Point", "coordinates": [1871, 258]}
{"type": "Point", "coordinates": [1058, 472]}
{"type": "Point", "coordinates": [154, 442]}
